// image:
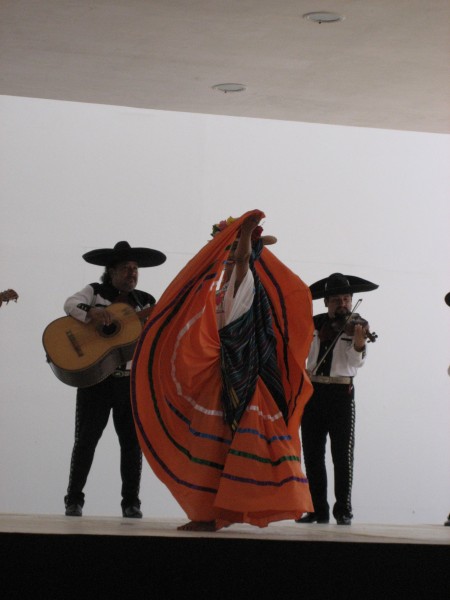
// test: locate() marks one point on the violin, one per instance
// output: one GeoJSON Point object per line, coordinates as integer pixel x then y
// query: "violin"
{"type": "Point", "coordinates": [345, 324]}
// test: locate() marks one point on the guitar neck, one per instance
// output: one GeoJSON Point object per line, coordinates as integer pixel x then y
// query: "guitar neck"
{"type": "Point", "coordinates": [8, 295]}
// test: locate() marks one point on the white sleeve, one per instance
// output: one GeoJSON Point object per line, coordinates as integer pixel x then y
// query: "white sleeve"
{"type": "Point", "coordinates": [77, 306]}
{"type": "Point", "coordinates": [356, 359]}
{"type": "Point", "coordinates": [235, 307]}
{"type": "Point", "coordinates": [313, 352]}
{"type": "Point", "coordinates": [345, 359]}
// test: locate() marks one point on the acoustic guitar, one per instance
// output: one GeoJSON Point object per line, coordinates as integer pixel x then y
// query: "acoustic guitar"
{"type": "Point", "coordinates": [8, 295]}
{"type": "Point", "coordinates": [83, 354]}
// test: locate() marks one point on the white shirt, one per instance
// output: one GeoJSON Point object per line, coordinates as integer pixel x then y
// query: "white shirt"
{"type": "Point", "coordinates": [230, 308]}
{"type": "Point", "coordinates": [345, 360]}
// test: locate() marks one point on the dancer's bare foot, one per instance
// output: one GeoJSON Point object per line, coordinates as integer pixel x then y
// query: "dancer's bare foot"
{"type": "Point", "coordinates": [198, 526]}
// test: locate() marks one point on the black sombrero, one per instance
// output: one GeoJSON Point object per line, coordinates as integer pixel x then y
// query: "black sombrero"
{"type": "Point", "coordinates": [122, 251]}
{"type": "Point", "coordinates": [337, 283]}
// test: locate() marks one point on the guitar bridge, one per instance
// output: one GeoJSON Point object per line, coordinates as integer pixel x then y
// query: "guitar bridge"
{"type": "Point", "coordinates": [75, 344]}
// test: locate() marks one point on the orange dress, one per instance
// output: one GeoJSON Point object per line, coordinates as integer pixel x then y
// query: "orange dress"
{"type": "Point", "coordinates": [250, 475]}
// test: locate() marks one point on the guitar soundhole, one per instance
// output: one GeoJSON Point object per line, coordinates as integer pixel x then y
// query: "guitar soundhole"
{"type": "Point", "coordinates": [110, 330]}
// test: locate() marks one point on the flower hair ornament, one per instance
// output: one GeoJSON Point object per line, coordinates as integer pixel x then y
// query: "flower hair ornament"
{"type": "Point", "coordinates": [218, 227]}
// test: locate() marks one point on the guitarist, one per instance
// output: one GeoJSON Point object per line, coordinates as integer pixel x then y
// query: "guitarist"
{"type": "Point", "coordinates": [94, 403]}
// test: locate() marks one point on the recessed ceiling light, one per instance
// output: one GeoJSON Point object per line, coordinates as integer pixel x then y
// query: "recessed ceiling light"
{"type": "Point", "coordinates": [229, 87]}
{"type": "Point", "coordinates": [323, 17]}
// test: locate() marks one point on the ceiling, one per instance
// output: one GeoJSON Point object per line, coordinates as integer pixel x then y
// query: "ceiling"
{"type": "Point", "coordinates": [385, 65]}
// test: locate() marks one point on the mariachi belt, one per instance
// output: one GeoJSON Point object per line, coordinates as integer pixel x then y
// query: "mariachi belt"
{"type": "Point", "coordinates": [326, 379]}
{"type": "Point", "coordinates": [119, 373]}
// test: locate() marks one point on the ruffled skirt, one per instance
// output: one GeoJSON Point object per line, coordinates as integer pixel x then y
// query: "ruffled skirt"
{"type": "Point", "coordinates": [253, 475]}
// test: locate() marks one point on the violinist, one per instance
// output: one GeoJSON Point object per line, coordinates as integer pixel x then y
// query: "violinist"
{"type": "Point", "coordinates": [337, 351]}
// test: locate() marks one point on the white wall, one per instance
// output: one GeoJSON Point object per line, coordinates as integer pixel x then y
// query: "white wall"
{"type": "Point", "coordinates": [366, 202]}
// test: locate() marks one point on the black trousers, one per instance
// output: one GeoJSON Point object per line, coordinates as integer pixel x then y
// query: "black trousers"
{"type": "Point", "coordinates": [330, 411]}
{"type": "Point", "coordinates": [94, 405]}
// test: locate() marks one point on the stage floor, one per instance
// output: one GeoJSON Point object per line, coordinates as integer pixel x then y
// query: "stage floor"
{"type": "Point", "coordinates": [285, 531]}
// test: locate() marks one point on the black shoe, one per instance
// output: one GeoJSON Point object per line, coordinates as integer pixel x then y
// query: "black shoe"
{"type": "Point", "coordinates": [74, 510]}
{"type": "Point", "coordinates": [312, 518]}
{"type": "Point", "coordinates": [132, 512]}
{"type": "Point", "coordinates": [344, 520]}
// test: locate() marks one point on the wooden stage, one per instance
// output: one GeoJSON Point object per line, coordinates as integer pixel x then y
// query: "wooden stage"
{"type": "Point", "coordinates": [64, 557]}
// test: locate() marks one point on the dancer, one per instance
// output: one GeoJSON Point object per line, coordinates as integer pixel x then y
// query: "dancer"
{"type": "Point", "coordinates": [218, 383]}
